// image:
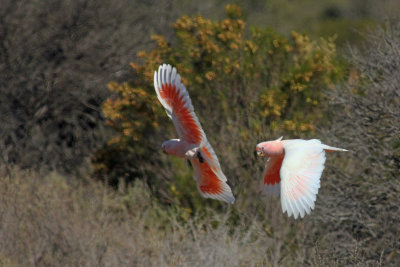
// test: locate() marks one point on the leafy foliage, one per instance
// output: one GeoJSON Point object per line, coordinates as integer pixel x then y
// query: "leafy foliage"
{"type": "Point", "coordinates": [241, 81]}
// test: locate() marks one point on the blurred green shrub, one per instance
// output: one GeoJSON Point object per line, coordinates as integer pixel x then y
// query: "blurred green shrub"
{"type": "Point", "coordinates": [241, 81]}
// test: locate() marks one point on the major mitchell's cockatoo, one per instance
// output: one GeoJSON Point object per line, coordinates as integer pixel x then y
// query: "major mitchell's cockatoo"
{"type": "Point", "coordinates": [294, 169]}
{"type": "Point", "coordinates": [192, 143]}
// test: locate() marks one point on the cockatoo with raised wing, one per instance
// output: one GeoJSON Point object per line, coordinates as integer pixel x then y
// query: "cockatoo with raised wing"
{"type": "Point", "coordinates": [192, 143]}
{"type": "Point", "coordinates": [294, 169]}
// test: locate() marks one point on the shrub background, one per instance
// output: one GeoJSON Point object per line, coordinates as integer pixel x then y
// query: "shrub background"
{"type": "Point", "coordinates": [246, 84]}
{"type": "Point", "coordinates": [55, 64]}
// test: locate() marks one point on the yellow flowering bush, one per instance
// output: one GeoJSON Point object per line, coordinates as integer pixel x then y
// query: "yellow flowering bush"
{"type": "Point", "coordinates": [244, 84]}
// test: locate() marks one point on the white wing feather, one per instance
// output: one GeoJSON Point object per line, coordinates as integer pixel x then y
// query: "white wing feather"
{"type": "Point", "coordinates": [300, 174]}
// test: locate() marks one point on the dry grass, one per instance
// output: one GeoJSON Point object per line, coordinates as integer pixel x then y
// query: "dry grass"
{"type": "Point", "coordinates": [54, 221]}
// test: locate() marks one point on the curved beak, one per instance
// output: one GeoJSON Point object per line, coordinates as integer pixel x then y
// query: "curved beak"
{"type": "Point", "coordinates": [260, 153]}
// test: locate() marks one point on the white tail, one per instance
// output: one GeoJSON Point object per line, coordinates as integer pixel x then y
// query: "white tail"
{"type": "Point", "coordinates": [333, 148]}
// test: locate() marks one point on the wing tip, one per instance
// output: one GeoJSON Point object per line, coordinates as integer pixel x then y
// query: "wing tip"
{"type": "Point", "coordinates": [298, 211]}
{"type": "Point", "coordinates": [272, 190]}
{"type": "Point", "coordinates": [225, 194]}
{"type": "Point", "coordinates": [230, 199]}
{"type": "Point", "coordinates": [169, 74]}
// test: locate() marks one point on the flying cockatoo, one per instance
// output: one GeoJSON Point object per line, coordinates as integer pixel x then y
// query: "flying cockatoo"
{"type": "Point", "coordinates": [294, 169]}
{"type": "Point", "coordinates": [192, 143]}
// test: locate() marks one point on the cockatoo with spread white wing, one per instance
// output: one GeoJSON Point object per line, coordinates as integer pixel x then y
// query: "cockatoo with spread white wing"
{"type": "Point", "coordinates": [192, 143]}
{"type": "Point", "coordinates": [294, 169]}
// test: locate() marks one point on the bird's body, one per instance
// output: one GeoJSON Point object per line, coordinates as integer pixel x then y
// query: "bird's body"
{"type": "Point", "coordinates": [293, 170]}
{"type": "Point", "coordinates": [180, 148]}
{"type": "Point", "coordinates": [192, 143]}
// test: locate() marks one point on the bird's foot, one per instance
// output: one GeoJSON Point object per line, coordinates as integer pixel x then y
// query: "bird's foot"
{"type": "Point", "coordinates": [200, 157]}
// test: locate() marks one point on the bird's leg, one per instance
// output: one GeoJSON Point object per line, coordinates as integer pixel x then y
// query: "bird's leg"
{"type": "Point", "coordinates": [199, 156]}
{"type": "Point", "coordinates": [188, 163]}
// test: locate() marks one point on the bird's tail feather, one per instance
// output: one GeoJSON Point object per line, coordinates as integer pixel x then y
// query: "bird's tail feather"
{"type": "Point", "coordinates": [331, 148]}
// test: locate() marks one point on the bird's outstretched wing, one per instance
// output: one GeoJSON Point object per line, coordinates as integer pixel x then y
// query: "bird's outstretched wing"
{"type": "Point", "coordinates": [211, 184]}
{"type": "Point", "coordinates": [272, 179]}
{"type": "Point", "coordinates": [173, 95]}
{"type": "Point", "coordinates": [300, 175]}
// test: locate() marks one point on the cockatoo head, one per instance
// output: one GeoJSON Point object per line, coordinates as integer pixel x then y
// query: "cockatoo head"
{"type": "Point", "coordinates": [270, 148]}
{"type": "Point", "coordinates": [170, 146]}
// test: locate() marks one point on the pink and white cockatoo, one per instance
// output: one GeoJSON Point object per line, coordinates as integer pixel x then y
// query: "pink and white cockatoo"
{"type": "Point", "coordinates": [192, 143]}
{"type": "Point", "coordinates": [294, 169]}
